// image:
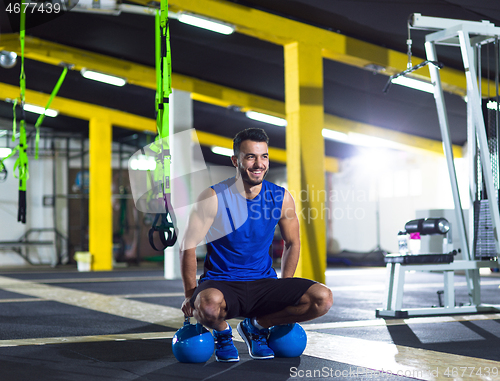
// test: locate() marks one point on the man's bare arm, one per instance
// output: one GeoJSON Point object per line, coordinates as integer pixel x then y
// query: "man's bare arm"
{"type": "Point", "coordinates": [200, 220]}
{"type": "Point", "coordinates": [289, 226]}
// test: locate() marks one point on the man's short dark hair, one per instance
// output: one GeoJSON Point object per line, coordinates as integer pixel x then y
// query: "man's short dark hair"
{"type": "Point", "coordinates": [253, 134]}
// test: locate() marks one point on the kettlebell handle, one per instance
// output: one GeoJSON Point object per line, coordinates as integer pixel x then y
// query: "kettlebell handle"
{"type": "Point", "coordinates": [199, 327]}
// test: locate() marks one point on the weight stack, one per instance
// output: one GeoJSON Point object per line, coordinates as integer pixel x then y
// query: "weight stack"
{"type": "Point", "coordinates": [484, 241]}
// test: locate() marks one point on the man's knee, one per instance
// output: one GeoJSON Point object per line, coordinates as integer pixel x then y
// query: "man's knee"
{"type": "Point", "coordinates": [321, 298]}
{"type": "Point", "coordinates": [209, 306]}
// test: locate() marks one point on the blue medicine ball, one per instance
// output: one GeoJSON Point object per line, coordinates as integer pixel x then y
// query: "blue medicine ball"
{"type": "Point", "coordinates": [193, 343]}
{"type": "Point", "coordinates": [287, 340]}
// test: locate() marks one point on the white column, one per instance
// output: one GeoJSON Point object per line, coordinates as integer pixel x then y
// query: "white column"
{"type": "Point", "coordinates": [181, 119]}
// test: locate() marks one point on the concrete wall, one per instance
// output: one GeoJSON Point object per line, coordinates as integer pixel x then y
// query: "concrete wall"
{"type": "Point", "coordinates": [394, 184]}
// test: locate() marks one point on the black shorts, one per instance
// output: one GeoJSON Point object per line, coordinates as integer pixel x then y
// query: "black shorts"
{"type": "Point", "coordinates": [258, 297]}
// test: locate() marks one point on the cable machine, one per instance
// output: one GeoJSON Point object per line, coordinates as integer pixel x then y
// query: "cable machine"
{"type": "Point", "coordinates": [35, 238]}
{"type": "Point", "coordinates": [481, 248]}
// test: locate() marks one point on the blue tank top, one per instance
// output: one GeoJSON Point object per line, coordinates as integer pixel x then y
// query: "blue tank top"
{"type": "Point", "coordinates": [239, 239]}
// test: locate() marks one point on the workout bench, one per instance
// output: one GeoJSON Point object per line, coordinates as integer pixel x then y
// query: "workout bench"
{"type": "Point", "coordinates": [393, 299]}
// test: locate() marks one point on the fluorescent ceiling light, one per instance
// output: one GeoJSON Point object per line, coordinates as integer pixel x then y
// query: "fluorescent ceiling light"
{"type": "Point", "coordinates": [40, 110]}
{"type": "Point", "coordinates": [334, 135]}
{"type": "Point", "coordinates": [206, 23]}
{"type": "Point", "coordinates": [372, 141]}
{"type": "Point", "coordinates": [414, 84]}
{"type": "Point", "coordinates": [143, 163]}
{"type": "Point", "coordinates": [222, 151]}
{"type": "Point", "coordinates": [4, 152]}
{"type": "Point", "coordinates": [358, 139]}
{"type": "Point", "coordinates": [266, 118]}
{"type": "Point", "coordinates": [106, 78]}
{"type": "Point", "coordinates": [102, 4]}
{"type": "Point", "coordinates": [3, 133]}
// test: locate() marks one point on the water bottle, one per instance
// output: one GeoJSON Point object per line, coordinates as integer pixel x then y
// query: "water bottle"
{"type": "Point", "coordinates": [403, 243]}
{"type": "Point", "coordinates": [414, 245]}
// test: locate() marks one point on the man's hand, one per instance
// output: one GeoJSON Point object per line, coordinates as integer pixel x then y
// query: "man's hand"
{"type": "Point", "coordinates": [187, 308]}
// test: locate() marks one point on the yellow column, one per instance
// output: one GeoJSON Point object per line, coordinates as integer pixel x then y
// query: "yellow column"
{"type": "Point", "coordinates": [306, 154]}
{"type": "Point", "coordinates": [100, 203]}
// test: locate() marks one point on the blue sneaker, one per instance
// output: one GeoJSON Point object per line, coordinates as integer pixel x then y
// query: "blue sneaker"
{"type": "Point", "coordinates": [256, 340]}
{"type": "Point", "coordinates": [225, 351]}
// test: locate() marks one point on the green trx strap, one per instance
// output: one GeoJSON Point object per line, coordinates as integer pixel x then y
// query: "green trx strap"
{"type": "Point", "coordinates": [14, 122]}
{"type": "Point", "coordinates": [21, 163]}
{"type": "Point", "coordinates": [161, 147]}
{"type": "Point", "coordinates": [42, 116]}
{"type": "Point", "coordinates": [22, 35]}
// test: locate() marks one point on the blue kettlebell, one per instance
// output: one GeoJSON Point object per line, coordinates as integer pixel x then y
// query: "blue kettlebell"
{"type": "Point", "coordinates": [192, 343]}
{"type": "Point", "coordinates": [287, 340]}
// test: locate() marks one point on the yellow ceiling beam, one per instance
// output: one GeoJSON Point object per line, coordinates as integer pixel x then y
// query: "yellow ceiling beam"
{"type": "Point", "coordinates": [204, 91]}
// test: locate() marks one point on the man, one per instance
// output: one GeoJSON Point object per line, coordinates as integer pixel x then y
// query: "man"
{"type": "Point", "coordinates": [237, 217]}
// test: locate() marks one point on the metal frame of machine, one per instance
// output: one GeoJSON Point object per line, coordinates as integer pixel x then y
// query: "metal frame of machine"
{"type": "Point", "coordinates": [468, 36]}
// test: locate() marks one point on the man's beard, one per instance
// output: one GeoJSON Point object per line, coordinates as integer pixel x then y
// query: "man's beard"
{"type": "Point", "coordinates": [246, 178]}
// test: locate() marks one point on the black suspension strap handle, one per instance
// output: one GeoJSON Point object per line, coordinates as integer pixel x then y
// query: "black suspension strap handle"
{"type": "Point", "coordinates": [166, 228]}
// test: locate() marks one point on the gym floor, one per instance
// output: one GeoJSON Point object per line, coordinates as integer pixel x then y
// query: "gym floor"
{"type": "Point", "coordinates": [60, 324]}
